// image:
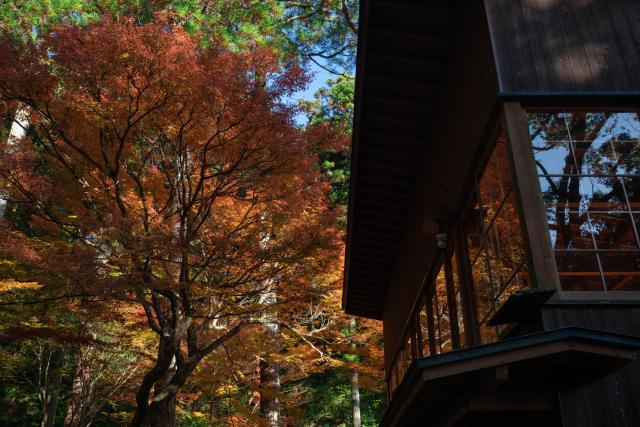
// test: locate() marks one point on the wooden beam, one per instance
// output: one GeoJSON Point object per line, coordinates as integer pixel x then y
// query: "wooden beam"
{"type": "Point", "coordinates": [510, 401]}
{"type": "Point", "coordinates": [465, 275]}
{"type": "Point", "coordinates": [458, 407]}
{"type": "Point", "coordinates": [496, 359]}
{"type": "Point", "coordinates": [543, 271]}
{"type": "Point", "coordinates": [451, 301]}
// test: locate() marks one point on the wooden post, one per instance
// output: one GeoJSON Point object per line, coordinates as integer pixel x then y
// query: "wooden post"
{"type": "Point", "coordinates": [418, 326]}
{"type": "Point", "coordinates": [471, 326]}
{"type": "Point", "coordinates": [451, 300]}
{"type": "Point", "coordinates": [543, 270]}
{"type": "Point", "coordinates": [431, 327]}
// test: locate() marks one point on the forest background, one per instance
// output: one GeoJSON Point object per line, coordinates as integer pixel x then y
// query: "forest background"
{"type": "Point", "coordinates": [172, 215]}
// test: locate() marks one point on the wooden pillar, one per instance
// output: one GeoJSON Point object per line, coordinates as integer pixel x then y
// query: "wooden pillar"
{"type": "Point", "coordinates": [543, 270]}
{"type": "Point", "coordinates": [418, 327]}
{"type": "Point", "coordinates": [431, 327]}
{"type": "Point", "coordinates": [465, 276]}
{"type": "Point", "coordinates": [451, 300]}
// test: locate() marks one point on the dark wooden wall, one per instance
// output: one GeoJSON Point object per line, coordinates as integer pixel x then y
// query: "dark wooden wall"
{"type": "Point", "coordinates": [466, 104]}
{"type": "Point", "coordinates": [615, 400]}
{"type": "Point", "coordinates": [540, 46]}
{"type": "Point", "coordinates": [566, 45]}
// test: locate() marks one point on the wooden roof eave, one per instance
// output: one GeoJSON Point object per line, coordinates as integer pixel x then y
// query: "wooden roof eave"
{"type": "Point", "coordinates": [433, 385]}
{"type": "Point", "coordinates": [386, 147]}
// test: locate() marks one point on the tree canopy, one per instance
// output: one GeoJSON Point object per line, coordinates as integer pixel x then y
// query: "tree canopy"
{"type": "Point", "coordinates": [171, 233]}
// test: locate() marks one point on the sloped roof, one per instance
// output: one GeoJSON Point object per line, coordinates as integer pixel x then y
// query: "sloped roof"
{"type": "Point", "coordinates": [402, 51]}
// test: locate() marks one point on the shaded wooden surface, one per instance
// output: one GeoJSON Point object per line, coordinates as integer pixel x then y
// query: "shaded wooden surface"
{"type": "Point", "coordinates": [403, 49]}
{"type": "Point", "coordinates": [466, 110]}
{"type": "Point", "coordinates": [426, 103]}
{"type": "Point", "coordinates": [566, 45]}
{"type": "Point", "coordinates": [507, 383]}
{"type": "Point", "coordinates": [614, 400]}
{"type": "Point", "coordinates": [531, 208]}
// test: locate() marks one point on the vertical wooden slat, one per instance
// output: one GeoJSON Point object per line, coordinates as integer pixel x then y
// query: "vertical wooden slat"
{"type": "Point", "coordinates": [543, 270]}
{"type": "Point", "coordinates": [632, 9]}
{"type": "Point", "coordinates": [470, 318]}
{"type": "Point", "coordinates": [623, 47]}
{"type": "Point", "coordinates": [538, 43]}
{"type": "Point", "coordinates": [505, 67]}
{"type": "Point", "coordinates": [596, 30]}
{"type": "Point", "coordinates": [419, 331]}
{"type": "Point", "coordinates": [431, 327]}
{"type": "Point", "coordinates": [570, 32]}
{"type": "Point", "coordinates": [566, 45]}
{"type": "Point", "coordinates": [451, 302]}
{"type": "Point", "coordinates": [414, 343]}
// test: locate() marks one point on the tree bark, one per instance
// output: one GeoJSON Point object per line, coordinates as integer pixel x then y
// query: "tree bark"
{"type": "Point", "coordinates": [49, 400]}
{"type": "Point", "coordinates": [166, 378]}
{"type": "Point", "coordinates": [269, 373]}
{"type": "Point", "coordinates": [164, 414]}
{"type": "Point", "coordinates": [144, 411]}
{"type": "Point", "coordinates": [270, 387]}
{"type": "Point", "coordinates": [76, 407]}
{"type": "Point", "coordinates": [355, 398]}
{"type": "Point", "coordinates": [355, 384]}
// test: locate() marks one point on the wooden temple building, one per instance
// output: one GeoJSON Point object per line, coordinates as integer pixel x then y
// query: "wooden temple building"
{"type": "Point", "coordinates": [494, 218]}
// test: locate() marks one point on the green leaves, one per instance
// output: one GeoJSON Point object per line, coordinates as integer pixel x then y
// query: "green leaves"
{"type": "Point", "coordinates": [333, 108]}
{"type": "Point", "coordinates": [331, 403]}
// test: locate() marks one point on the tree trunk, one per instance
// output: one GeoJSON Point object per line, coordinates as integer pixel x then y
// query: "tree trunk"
{"type": "Point", "coordinates": [161, 373]}
{"type": "Point", "coordinates": [355, 398]}
{"type": "Point", "coordinates": [270, 387]}
{"type": "Point", "coordinates": [49, 399]}
{"type": "Point", "coordinates": [355, 384]}
{"type": "Point", "coordinates": [76, 407]}
{"type": "Point", "coordinates": [269, 373]}
{"type": "Point", "coordinates": [164, 415]}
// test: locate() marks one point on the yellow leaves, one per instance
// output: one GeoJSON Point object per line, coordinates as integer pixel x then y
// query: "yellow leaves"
{"type": "Point", "coordinates": [9, 285]}
{"type": "Point", "coordinates": [227, 389]}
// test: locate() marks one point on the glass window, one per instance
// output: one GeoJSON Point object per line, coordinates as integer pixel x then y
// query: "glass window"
{"type": "Point", "coordinates": [589, 169]}
{"type": "Point", "coordinates": [458, 300]}
{"type": "Point", "coordinates": [393, 382]}
{"type": "Point", "coordinates": [435, 320]}
{"type": "Point", "coordinates": [427, 328]}
{"type": "Point", "coordinates": [401, 365]}
{"type": "Point", "coordinates": [494, 237]}
{"type": "Point", "coordinates": [442, 315]}
{"type": "Point", "coordinates": [438, 324]}
{"type": "Point", "coordinates": [409, 354]}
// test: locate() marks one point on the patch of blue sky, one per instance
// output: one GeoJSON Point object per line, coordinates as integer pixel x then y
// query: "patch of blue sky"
{"type": "Point", "coordinates": [319, 77]}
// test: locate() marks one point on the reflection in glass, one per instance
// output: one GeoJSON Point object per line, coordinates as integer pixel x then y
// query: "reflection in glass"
{"type": "Point", "coordinates": [426, 330]}
{"type": "Point", "coordinates": [442, 316]}
{"type": "Point", "coordinates": [495, 240]}
{"type": "Point", "coordinates": [393, 382]}
{"type": "Point", "coordinates": [458, 301]}
{"type": "Point", "coordinates": [589, 169]}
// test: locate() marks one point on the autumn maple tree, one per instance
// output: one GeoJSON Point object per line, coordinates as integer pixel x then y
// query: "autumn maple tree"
{"type": "Point", "coordinates": [162, 174]}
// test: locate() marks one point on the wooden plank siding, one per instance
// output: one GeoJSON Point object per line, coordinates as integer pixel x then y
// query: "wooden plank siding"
{"type": "Point", "coordinates": [566, 45]}
{"type": "Point", "coordinates": [466, 106]}
{"type": "Point", "coordinates": [613, 401]}
{"type": "Point", "coordinates": [401, 58]}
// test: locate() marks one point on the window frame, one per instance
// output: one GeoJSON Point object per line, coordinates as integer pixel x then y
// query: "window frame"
{"type": "Point", "coordinates": [511, 119]}
{"type": "Point", "coordinates": [515, 121]}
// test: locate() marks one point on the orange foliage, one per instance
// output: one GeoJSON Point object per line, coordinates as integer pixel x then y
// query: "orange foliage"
{"type": "Point", "coordinates": [167, 176]}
